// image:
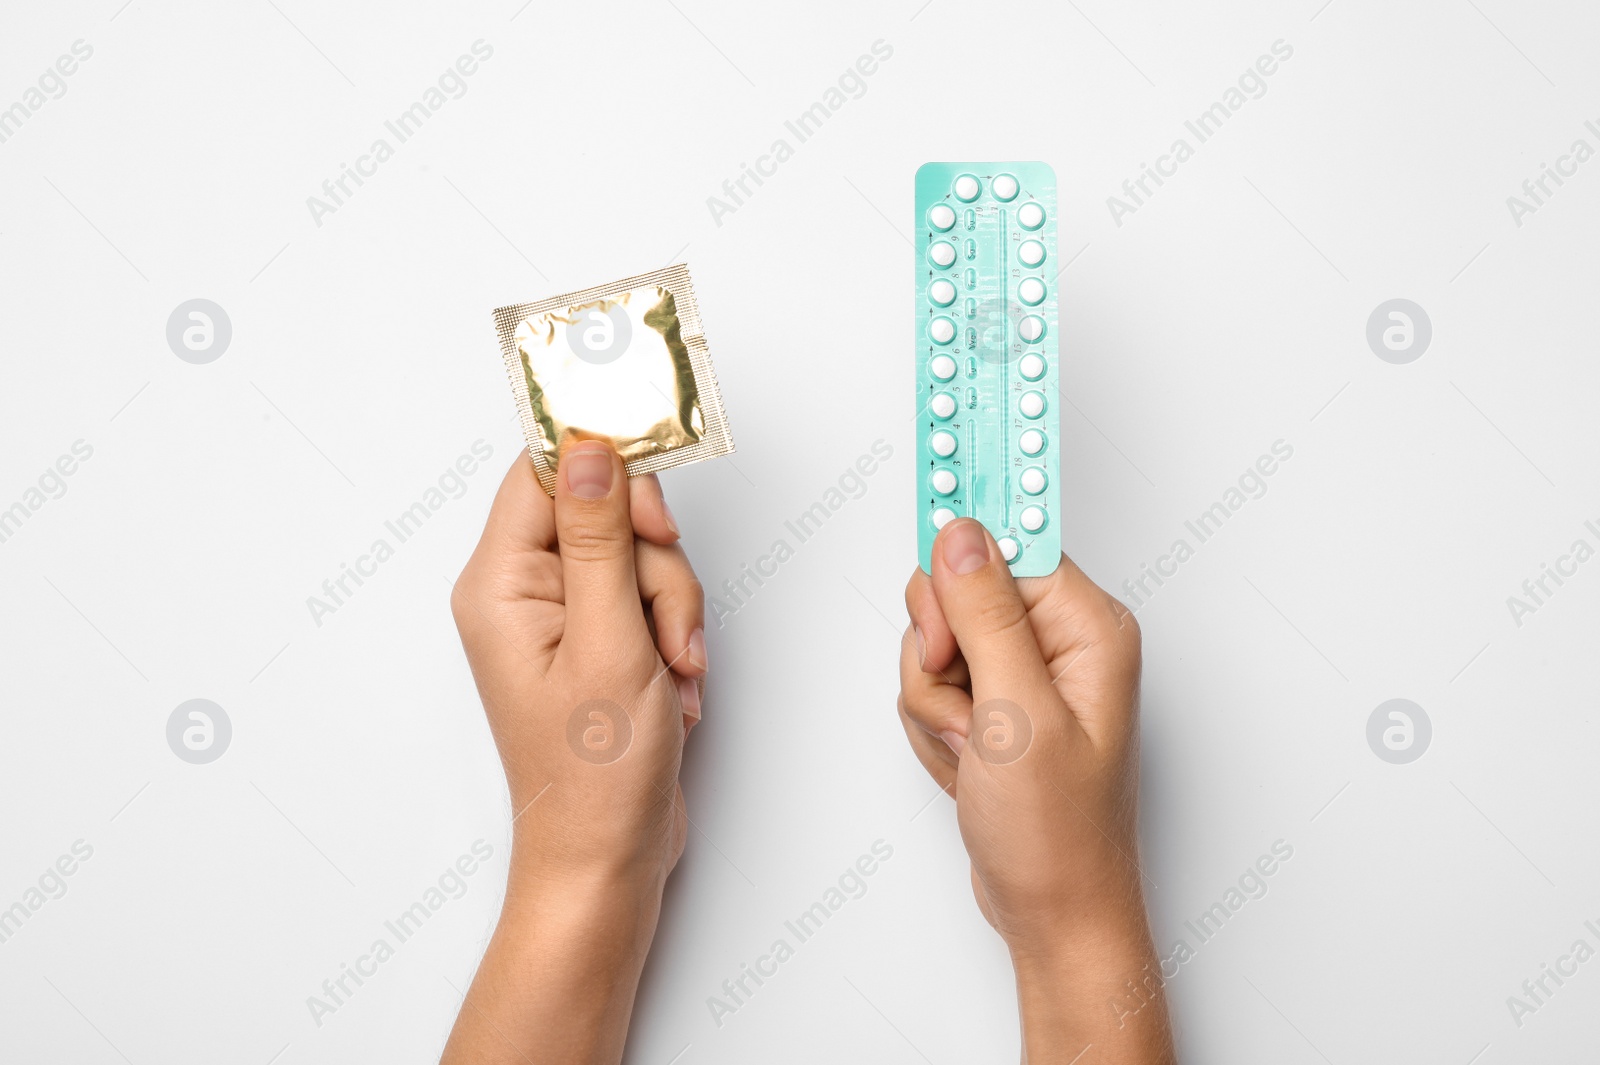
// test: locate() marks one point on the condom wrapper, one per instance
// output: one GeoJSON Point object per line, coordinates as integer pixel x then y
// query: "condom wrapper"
{"type": "Point", "coordinates": [626, 363]}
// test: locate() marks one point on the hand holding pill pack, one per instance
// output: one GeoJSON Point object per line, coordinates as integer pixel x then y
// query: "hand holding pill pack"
{"type": "Point", "coordinates": [986, 350]}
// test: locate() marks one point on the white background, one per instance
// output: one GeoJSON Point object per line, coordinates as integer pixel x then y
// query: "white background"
{"type": "Point", "coordinates": [1227, 313]}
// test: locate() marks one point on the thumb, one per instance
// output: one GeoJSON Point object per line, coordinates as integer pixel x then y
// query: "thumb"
{"type": "Point", "coordinates": [595, 538]}
{"type": "Point", "coordinates": [980, 600]}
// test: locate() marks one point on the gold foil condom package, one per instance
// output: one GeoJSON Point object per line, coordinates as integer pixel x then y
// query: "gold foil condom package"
{"type": "Point", "coordinates": [626, 363]}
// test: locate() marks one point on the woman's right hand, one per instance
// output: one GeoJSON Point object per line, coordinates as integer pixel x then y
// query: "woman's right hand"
{"type": "Point", "coordinates": [1020, 698]}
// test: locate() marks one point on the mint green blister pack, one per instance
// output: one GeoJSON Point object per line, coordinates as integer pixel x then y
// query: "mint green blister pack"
{"type": "Point", "coordinates": [987, 343]}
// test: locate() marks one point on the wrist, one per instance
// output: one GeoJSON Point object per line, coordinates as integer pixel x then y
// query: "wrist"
{"type": "Point", "coordinates": [553, 863]}
{"type": "Point", "coordinates": [1101, 984]}
{"type": "Point", "coordinates": [1047, 929]}
{"type": "Point", "coordinates": [616, 902]}
{"type": "Point", "coordinates": [562, 967]}
{"type": "Point", "coordinates": [578, 937]}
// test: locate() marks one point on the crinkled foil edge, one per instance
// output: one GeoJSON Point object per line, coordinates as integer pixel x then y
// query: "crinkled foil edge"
{"type": "Point", "coordinates": [717, 439]}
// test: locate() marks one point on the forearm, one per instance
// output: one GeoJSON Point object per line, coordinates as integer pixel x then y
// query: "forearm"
{"type": "Point", "coordinates": [1101, 990]}
{"type": "Point", "coordinates": [558, 980]}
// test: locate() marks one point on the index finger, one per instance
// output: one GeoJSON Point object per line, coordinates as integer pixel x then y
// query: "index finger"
{"type": "Point", "coordinates": [522, 516]}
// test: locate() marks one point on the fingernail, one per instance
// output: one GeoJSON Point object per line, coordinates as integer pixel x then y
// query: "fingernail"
{"type": "Point", "coordinates": [689, 696]}
{"type": "Point", "coordinates": [666, 512]}
{"type": "Point", "coordinates": [954, 740]}
{"type": "Point", "coordinates": [922, 652]}
{"type": "Point", "coordinates": [965, 548]}
{"type": "Point", "coordinates": [697, 649]}
{"type": "Point", "coordinates": [588, 473]}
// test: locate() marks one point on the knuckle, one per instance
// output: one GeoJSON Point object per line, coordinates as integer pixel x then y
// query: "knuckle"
{"type": "Point", "coordinates": [910, 658]}
{"type": "Point", "coordinates": [913, 595]}
{"type": "Point", "coordinates": [916, 714]}
{"type": "Point", "coordinates": [612, 668]}
{"type": "Point", "coordinates": [930, 714]}
{"type": "Point", "coordinates": [1131, 632]}
{"type": "Point", "coordinates": [594, 541]}
{"type": "Point", "coordinates": [1004, 619]}
{"type": "Point", "coordinates": [1125, 631]}
{"type": "Point", "coordinates": [1108, 622]}
{"type": "Point", "coordinates": [460, 608]}
{"type": "Point", "coordinates": [998, 615]}
{"type": "Point", "coordinates": [694, 594]}
{"type": "Point", "coordinates": [668, 574]}
{"type": "Point", "coordinates": [684, 585]}
{"type": "Point", "coordinates": [686, 599]}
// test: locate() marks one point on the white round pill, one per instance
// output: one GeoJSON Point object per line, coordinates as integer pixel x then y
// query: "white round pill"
{"type": "Point", "coordinates": [1031, 328]}
{"type": "Point", "coordinates": [943, 404]}
{"type": "Point", "coordinates": [1004, 188]}
{"type": "Point", "coordinates": [1030, 216]}
{"type": "Point", "coordinates": [1031, 367]}
{"type": "Point", "coordinates": [942, 253]}
{"type": "Point", "coordinates": [942, 444]}
{"type": "Point", "coordinates": [1031, 291]}
{"type": "Point", "coordinates": [1031, 404]}
{"type": "Point", "coordinates": [942, 330]}
{"type": "Point", "coordinates": [1009, 548]}
{"type": "Point", "coordinates": [967, 188]}
{"type": "Point", "coordinates": [1031, 441]}
{"type": "Point", "coordinates": [1031, 253]}
{"type": "Point", "coordinates": [1034, 480]}
{"type": "Point", "coordinates": [941, 216]}
{"type": "Point", "coordinates": [943, 292]}
{"type": "Point", "coordinates": [1032, 519]}
{"type": "Point", "coordinates": [943, 367]}
{"type": "Point", "coordinates": [942, 516]}
{"type": "Point", "coordinates": [943, 481]}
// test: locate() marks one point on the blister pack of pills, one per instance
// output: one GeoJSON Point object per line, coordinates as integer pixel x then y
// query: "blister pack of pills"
{"type": "Point", "coordinates": [987, 345]}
